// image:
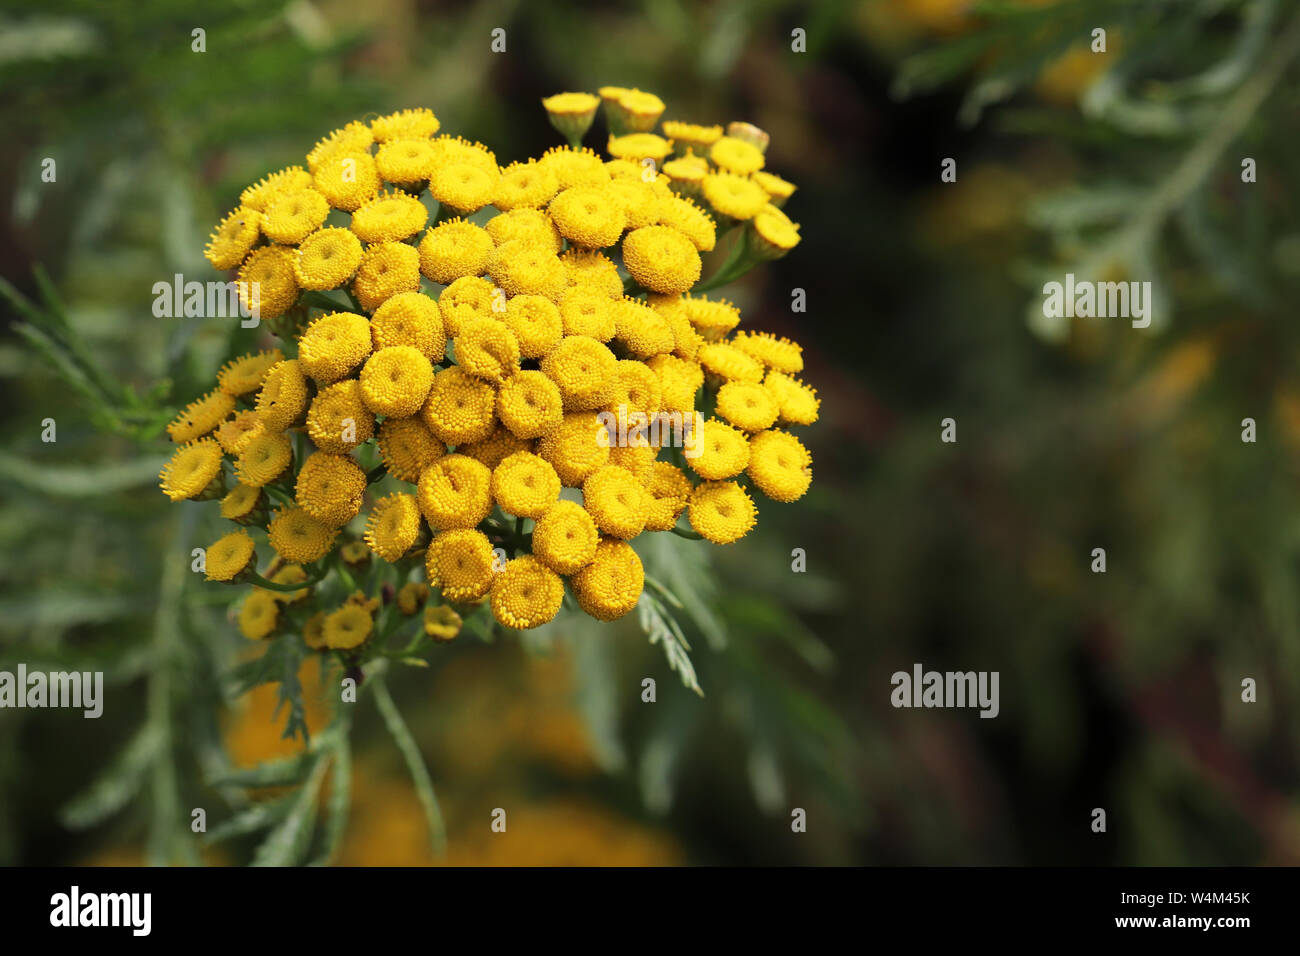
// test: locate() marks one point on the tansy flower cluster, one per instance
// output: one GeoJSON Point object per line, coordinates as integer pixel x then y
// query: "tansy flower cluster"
{"type": "Point", "coordinates": [456, 333]}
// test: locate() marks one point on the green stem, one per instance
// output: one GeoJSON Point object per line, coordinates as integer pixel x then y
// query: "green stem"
{"type": "Point", "coordinates": [736, 265]}
{"type": "Point", "coordinates": [683, 533]}
{"type": "Point", "coordinates": [262, 582]}
{"type": "Point", "coordinates": [414, 763]}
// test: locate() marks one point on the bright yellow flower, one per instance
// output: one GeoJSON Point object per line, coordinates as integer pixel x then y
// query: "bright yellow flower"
{"type": "Point", "coordinates": [686, 175]}
{"type": "Point", "coordinates": [691, 221]}
{"type": "Point", "coordinates": [661, 259]}
{"type": "Point", "coordinates": [776, 353]}
{"type": "Point", "coordinates": [747, 405]}
{"type": "Point", "coordinates": [643, 330]}
{"type": "Point", "coordinates": [327, 258]}
{"type": "Point", "coordinates": [455, 492]}
{"type": "Point", "coordinates": [616, 501]}
{"type": "Point", "coordinates": [460, 408]}
{"type": "Point", "coordinates": [723, 451]}
{"type": "Point", "coordinates": [455, 249]}
{"type": "Point", "coordinates": [589, 269]}
{"type": "Point", "coordinates": [293, 216]}
{"type": "Point", "coordinates": [389, 217]}
{"type": "Point", "coordinates": [201, 417]}
{"type": "Point", "coordinates": [634, 387]}
{"type": "Point", "coordinates": [407, 447]}
{"type": "Point", "coordinates": [587, 311]}
{"type": "Point", "coordinates": [233, 238]}
{"type": "Point", "coordinates": [333, 345]}
{"type": "Point", "coordinates": [405, 124]}
{"type": "Point", "coordinates": [290, 574]}
{"type": "Point", "coordinates": [461, 563]}
{"type": "Point", "coordinates": [348, 628]}
{"type": "Point", "coordinates": [463, 187]}
{"type": "Point", "coordinates": [575, 167]}
{"type": "Point", "coordinates": [406, 162]}
{"type": "Point", "coordinates": [241, 502]}
{"type": "Point", "coordinates": [778, 190]}
{"type": "Point", "coordinates": [565, 537]}
{"type": "Point", "coordinates": [494, 449]}
{"type": "Point", "coordinates": [691, 135]}
{"type": "Point", "coordinates": [527, 185]}
{"type": "Point", "coordinates": [610, 586]}
{"type": "Point", "coordinates": [260, 194]}
{"type": "Point", "coordinates": [265, 457]}
{"type": "Point", "coordinates": [487, 349]}
{"type": "Point", "coordinates": [356, 137]}
{"type": "Point", "coordinates": [526, 594]}
{"type": "Point", "coordinates": [588, 216]}
{"type": "Point", "coordinates": [394, 526]}
{"type": "Point", "coordinates": [529, 404]}
{"type": "Point", "coordinates": [712, 318]}
{"type": "Point", "coordinates": [525, 485]}
{"type": "Point", "coordinates": [734, 196]}
{"type": "Point", "coordinates": [571, 113]}
{"type": "Point", "coordinates": [679, 380]}
{"type": "Point", "coordinates": [410, 318]}
{"type": "Point", "coordinates": [536, 324]}
{"type": "Point", "coordinates": [330, 488]}
{"type": "Point", "coordinates": [228, 556]}
{"type": "Point", "coordinates": [574, 449]}
{"type": "Point", "coordinates": [258, 615]}
{"type": "Point", "coordinates": [441, 623]}
{"type": "Point", "coordinates": [779, 465]}
{"type": "Point", "coordinates": [669, 490]}
{"type": "Point", "coordinates": [582, 368]}
{"type": "Point", "coordinates": [798, 402]}
{"type": "Point", "coordinates": [245, 374]}
{"type": "Point", "coordinates": [521, 267]}
{"type": "Point", "coordinates": [721, 511]}
{"type": "Point", "coordinates": [283, 396]}
{"type": "Point", "coordinates": [640, 201]}
{"type": "Point", "coordinates": [267, 284]}
{"type": "Point", "coordinates": [529, 225]}
{"type": "Point", "coordinates": [347, 179]}
{"type": "Point", "coordinates": [387, 269]}
{"type": "Point", "coordinates": [636, 146]}
{"type": "Point", "coordinates": [338, 419]}
{"type": "Point", "coordinates": [736, 156]}
{"type": "Point", "coordinates": [298, 537]}
{"type": "Point", "coordinates": [395, 381]}
{"type": "Point", "coordinates": [730, 363]}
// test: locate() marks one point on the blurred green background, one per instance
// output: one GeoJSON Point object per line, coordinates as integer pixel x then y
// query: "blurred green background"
{"type": "Point", "coordinates": [1118, 690]}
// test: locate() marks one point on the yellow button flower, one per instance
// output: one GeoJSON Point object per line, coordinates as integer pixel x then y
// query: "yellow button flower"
{"type": "Point", "coordinates": [527, 185]}
{"type": "Point", "coordinates": [723, 451]}
{"type": "Point", "coordinates": [455, 492]}
{"type": "Point", "coordinates": [201, 417]}
{"type": "Point", "coordinates": [229, 556]}
{"type": "Point", "coordinates": [747, 405]}
{"type": "Point", "coordinates": [298, 537]}
{"type": "Point", "coordinates": [610, 586]}
{"type": "Point", "coordinates": [333, 346]}
{"type": "Point", "coordinates": [330, 488]}
{"type": "Point", "coordinates": [282, 399]}
{"type": "Point", "coordinates": [395, 381]}
{"type": "Point", "coordinates": [267, 284]}
{"type": "Point", "coordinates": [526, 594]}
{"type": "Point", "coordinates": [661, 259]}
{"type": "Point", "coordinates": [588, 216]}
{"type": "Point", "coordinates": [410, 318]}
{"type": "Point", "coordinates": [387, 269]}
{"type": "Point", "coordinates": [536, 324]}
{"type": "Point", "coordinates": [582, 368]}
{"type": "Point", "coordinates": [327, 258]}
{"type": "Point", "coordinates": [348, 628]}
{"type": "Point", "coordinates": [779, 465]}
{"type": "Point", "coordinates": [347, 179]}
{"type": "Point", "coordinates": [460, 562]}
{"type": "Point", "coordinates": [565, 537]}
{"type": "Point", "coordinates": [389, 217]}
{"type": "Point", "coordinates": [338, 419]}
{"type": "Point", "coordinates": [407, 447]}
{"type": "Point", "coordinates": [616, 501]}
{"type": "Point", "coordinates": [394, 526]}
{"type": "Point", "coordinates": [233, 238]}
{"type": "Point", "coordinates": [460, 408]}
{"type": "Point", "coordinates": [453, 249]}
{"type": "Point", "coordinates": [266, 456]}
{"type": "Point", "coordinates": [575, 448]}
{"type": "Point", "coordinates": [525, 485]}
{"type": "Point", "coordinates": [292, 216]}
{"type": "Point", "coordinates": [721, 511]}
{"type": "Point", "coordinates": [258, 616]}
{"type": "Point", "coordinates": [487, 349]}
{"type": "Point", "coordinates": [529, 404]}
{"type": "Point", "coordinates": [245, 374]}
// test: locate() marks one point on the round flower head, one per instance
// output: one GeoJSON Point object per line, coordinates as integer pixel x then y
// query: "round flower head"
{"type": "Point", "coordinates": [258, 615]}
{"type": "Point", "coordinates": [576, 448]}
{"type": "Point", "coordinates": [348, 628]}
{"type": "Point", "coordinates": [347, 180]}
{"type": "Point", "coordinates": [229, 556]}
{"type": "Point", "coordinates": [713, 319]}
{"type": "Point", "coordinates": [661, 259]}
{"type": "Point", "coordinates": [625, 169]}
{"type": "Point", "coordinates": [283, 396]}
{"type": "Point", "coordinates": [526, 594]}
{"type": "Point", "coordinates": [313, 632]}
{"type": "Point", "coordinates": [637, 457]}
{"type": "Point", "coordinates": [587, 311]}
{"type": "Point", "coordinates": [327, 258]}
{"type": "Point", "coordinates": [747, 405]}
{"type": "Point", "coordinates": [333, 345]}
{"type": "Point", "coordinates": [529, 404]}
{"type": "Point", "coordinates": [455, 151]}
{"type": "Point", "coordinates": [776, 353]}
{"type": "Point", "coordinates": [527, 185]}
{"type": "Point", "coordinates": [461, 563]}
{"type": "Point", "coordinates": [387, 269]}
{"type": "Point", "coordinates": [193, 470]}
{"type": "Point", "coordinates": [330, 488]}
{"type": "Point", "coordinates": [749, 133]}
{"type": "Point", "coordinates": [453, 249]}
{"type": "Point", "coordinates": [356, 137]}
{"type": "Point", "coordinates": [494, 449]}
{"type": "Point", "coordinates": [581, 367]}
{"type": "Point", "coordinates": [292, 216]}
{"type": "Point", "coordinates": [610, 586]}
{"type": "Point", "coordinates": [529, 225]}
{"type": "Point", "coordinates": [298, 537]}
{"type": "Point", "coordinates": [389, 217]}
{"type": "Point", "coordinates": [267, 285]}
{"type": "Point", "coordinates": [265, 457]}
{"type": "Point", "coordinates": [338, 419]}
{"type": "Point", "coordinates": [773, 234]}
{"type": "Point", "coordinates": [692, 136]}
{"type": "Point", "coordinates": [588, 216]}
{"type": "Point", "coordinates": [686, 175]}
{"type": "Point", "coordinates": [231, 241]}
{"type": "Point", "coordinates": [777, 189]}
{"type": "Point", "coordinates": [679, 380]}
{"type": "Point", "coordinates": [669, 490]}
{"type": "Point", "coordinates": [616, 501]}
{"type": "Point", "coordinates": [721, 511]}
{"type": "Point", "coordinates": [395, 381]}
{"type": "Point", "coordinates": [691, 221]}
{"type": "Point", "coordinates": [571, 113]}
{"type": "Point", "coordinates": [393, 526]}
{"type": "Point", "coordinates": [643, 330]}
{"type": "Point", "coordinates": [686, 341]}
{"type": "Point", "coordinates": [455, 492]}
{"type": "Point", "coordinates": [356, 553]}
{"type": "Point", "coordinates": [565, 537]}
{"type": "Point", "coordinates": [487, 349]}
{"type": "Point", "coordinates": [259, 195]}
{"type": "Point", "coordinates": [634, 388]}
{"type": "Point", "coordinates": [536, 324]}
{"type": "Point", "coordinates": [234, 433]}
{"type": "Point", "coordinates": [636, 146]}
{"type": "Point", "coordinates": [441, 623]}
{"type": "Point", "coordinates": [590, 269]}
{"type": "Point", "coordinates": [407, 447]}
{"type": "Point", "coordinates": [290, 574]}
{"type": "Point", "coordinates": [463, 187]}
{"type": "Point", "coordinates": [460, 408]}
{"type": "Point", "coordinates": [523, 268]}
{"type": "Point", "coordinates": [729, 363]}
{"type": "Point", "coordinates": [410, 318]}
{"type": "Point", "coordinates": [798, 402]}
{"type": "Point", "coordinates": [467, 296]}
{"type": "Point", "coordinates": [723, 451]}
{"type": "Point", "coordinates": [201, 417]}
{"type": "Point", "coordinates": [734, 196]}
{"type": "Point", "coordinates": [240, 504]}
{"type": "Point", "coordinates": [405, 124]}
{"type": "Point", "coordinates": [245, 374]}
{"type": "Point", "coordinates": [574, 167]}
{"type": "Point", "coordinates": [736, 156]}
{"type": "Point", "coordinates": [779, 465]}
{"type": "Point", "coordinates": [525, 485]}
{"type": "Point", "coordinates": [639, 201]}
{"type": "Point", "coordinates": [406, 162]}
{"type": "Point", "coordinates": [412, 596]}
